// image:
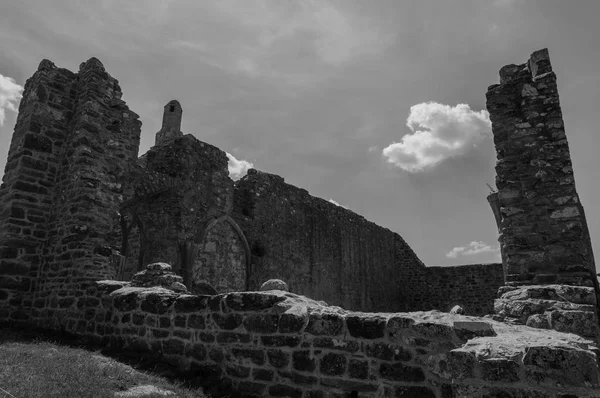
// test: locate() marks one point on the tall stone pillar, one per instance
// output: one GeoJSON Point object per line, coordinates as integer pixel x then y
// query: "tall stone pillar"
{"type": "Point", "coordinates": [543, 232]}
{"type": "Point", "coordinates": [171, 123]}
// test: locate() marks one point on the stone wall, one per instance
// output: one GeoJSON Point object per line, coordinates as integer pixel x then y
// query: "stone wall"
{"type": "Point", "coordinates": [321, 250]}
{"type": "Point", "coordinates": [280, 344]}
{"type": "Point", "coordinates": [472, 286]}
{"type": "Point", "coordinates": [73, 142]}
{"type": "Point", "coordinates": [177, 190]}
{"type": "Point", "coordinates": [543, 231]}
{"type": "Point", "coordinates": [26, 193]}
{"type": "Point", "coordinates": [330, 253]}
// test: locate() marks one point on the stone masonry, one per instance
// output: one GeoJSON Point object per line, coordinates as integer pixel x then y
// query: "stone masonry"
{"type": "Point", "coordinates": [543, 231]}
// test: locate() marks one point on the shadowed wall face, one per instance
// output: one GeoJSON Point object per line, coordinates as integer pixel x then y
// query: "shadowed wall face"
{"type": "Point", "coordinates": [543, 231]}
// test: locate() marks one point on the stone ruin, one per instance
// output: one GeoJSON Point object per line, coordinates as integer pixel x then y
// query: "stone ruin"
{"type": "Point", "coordinates": [82, 216]}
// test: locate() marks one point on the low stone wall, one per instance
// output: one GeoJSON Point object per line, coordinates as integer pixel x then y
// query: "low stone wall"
{"type": "Point", "coordinates": [569, 309]}
{"type": "Point", "coordinates": [280, 344]}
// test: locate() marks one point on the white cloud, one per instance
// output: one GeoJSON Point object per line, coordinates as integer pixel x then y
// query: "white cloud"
{"type": "Point", "coordinates": [439, 132]}
{"type": "Point", "coordinates": [336, 203]}
{"type": "Point", "coordinates": [473, 248]}
{"type": "Point", "coordinates": [237, 168]}
{"type": "Point", "coordinates": [10, 94]}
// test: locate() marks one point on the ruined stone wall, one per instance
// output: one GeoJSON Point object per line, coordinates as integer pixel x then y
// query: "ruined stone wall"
{"type": "Point", "coordinates": [26, 193]}
{"type": "Point", "coordinates": [321, 250]}
{"type": "Point", "coordinates": [177, 190]}
{"type": "Point", "coordinates": [329, 253]}
{"type": "Point", "coordinates": [73, 141]}
{"type": "Point", "coordinates": [473, 287]}
{"type": "Point", "coordinates": [101, 144]}
{"type": "Point", "coordinates": [543, 231]}
{"type": "Point", "coordinates": [280, 344]}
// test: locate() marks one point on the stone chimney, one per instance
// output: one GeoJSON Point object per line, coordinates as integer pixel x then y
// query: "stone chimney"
{"type": "Point", "coordinates": [171, 124]}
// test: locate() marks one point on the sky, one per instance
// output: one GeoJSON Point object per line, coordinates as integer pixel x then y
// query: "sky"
{"type": "Point", "coordinates": [377, 106]}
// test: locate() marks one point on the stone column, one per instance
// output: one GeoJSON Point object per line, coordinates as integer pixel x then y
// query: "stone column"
{"type": "Point", "coordinates": [543, 231]}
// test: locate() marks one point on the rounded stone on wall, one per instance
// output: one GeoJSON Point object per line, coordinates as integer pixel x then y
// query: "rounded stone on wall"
{"type": "Point", "coordinates": [457, 309]}
{"type": "Point", "coordinates": [159, 267]}
{"type": "Point", "coordinates": [274, 284]}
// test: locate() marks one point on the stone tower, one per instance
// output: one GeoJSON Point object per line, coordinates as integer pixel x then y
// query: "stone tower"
{"type": "Point", "coordinates": [544, 236]}
{"type": "Point", "coordinates": [171, 124]}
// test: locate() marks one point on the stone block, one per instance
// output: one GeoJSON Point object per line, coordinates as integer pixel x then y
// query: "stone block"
{"type": "Point", "coordinates": [304, 361]}
{"type": "Point", "coordinates": [583, 323]}
{"type": "Point", "coordinates": [230, 337]}
{"type": "Point", "coordinates": [401, 372]}
{"type": "Point", "coordinates": [349, 385]}
{"type": "Point", "coordinates": [282, 390]}
{"type": "Point", "coordinates": [280, 341]}
{"type": "Point", "coordinates": [228, 321]}
{"type": "Point", "coordinates": [278, 358]}
{"type": "Point", "coordinates": [568, 366]}
{"type": "Point", "coordinates": [333, 364]}
{"type": "Point", "coordinates": [158, 302]}
{"type": "Point", "coordinates": [261, 323]}
{"type": "Point", "coordinates": [298, 378]}
{"type": "Point", "coordinates": [251, 388]}
{"type": "Point", "coordinates": [358, 369]}
{"type": "Point", "coordinates": [262, 374]}
{"type": "Point", "coordinates": [256, 356]}
{"type": "Point", "coordinates": [500, 370]}
{"type": "Point", "coordinates": [292, 322]}
{"type": "Point", "coordinates": [326, 324]}
{"type": "Point", "coordinates": [366, 327]}
{"type": "Point", "coordinates": [387, 352]}
{"type": "Point", "coordinates": [237, 370]}
{"type": "Point", "coordinates": [467, 330]}
{"type": "Point", "coordinates": [413, 392]}
{"type": "Point", "coordinates": [188, 303]}
{"type": "Point", "coordinates": [251, 301]}
{"type": "Point", "coordinates": [336, 344]}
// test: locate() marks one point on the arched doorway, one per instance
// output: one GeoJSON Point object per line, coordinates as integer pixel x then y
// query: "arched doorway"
{"type": "Point", "coordinates": [222, 257]}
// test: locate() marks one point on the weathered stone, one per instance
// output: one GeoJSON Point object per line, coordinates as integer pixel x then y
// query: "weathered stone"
{"type": "Point", "coordinates": [366, 327]}
{"type": "Point", "coordinates": [303, 360]}
{"type": "Point", "coordinates": [401, 372]}
{"type": "Point", "coordinates": [280, 341]}
{"type": "Point", "coordinates": [467, 330]}
{"type": "Point", "coordinates": [333, 364]}
{"type": "Point", "coordinates": [261, 323]}
{"type": "Point", "coordinates": [228, 321]}
{"type": "Point", "coordinates": [328, 324]}
{"type": "Point", "coordinates": [262, 374]}
{"type": "Point", "coordinates": [251, 301]}
{"type": "Point", "coordinates": [278, 358]}
{"type": "Point", "coordinates": [281, 390]}
{"type": "Point", "coordinates": [298, 378]}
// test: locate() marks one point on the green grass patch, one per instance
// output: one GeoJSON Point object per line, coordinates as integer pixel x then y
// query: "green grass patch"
{"type": "Point", "coordinates": [32, 367]}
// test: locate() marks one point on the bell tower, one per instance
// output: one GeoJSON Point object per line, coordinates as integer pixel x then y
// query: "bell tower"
{"type": "Point", "coordinates": [171, 124]}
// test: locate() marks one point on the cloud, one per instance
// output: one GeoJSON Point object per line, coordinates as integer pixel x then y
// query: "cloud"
{"type": "Point", "coordinates": [10, 94]}
{"type": "Point", "coordinates": [282, 39]}
{"type": "Point", "coordinates": [473, 248]}
{"type": "Point", "coordinates": [237, 168]}
{"type": "Point", "coordinates": [336, 203]}
{"type": "Point", "coordinates": [439, 132]}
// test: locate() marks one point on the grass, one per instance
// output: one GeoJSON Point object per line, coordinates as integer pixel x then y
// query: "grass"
{"type": "Point", "coordinates": [32, 367]}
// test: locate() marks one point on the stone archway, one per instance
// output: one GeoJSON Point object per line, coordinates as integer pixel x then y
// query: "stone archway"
{"type": "Point", "coordinates": [222, 257]}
